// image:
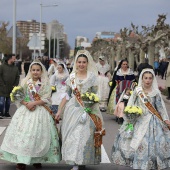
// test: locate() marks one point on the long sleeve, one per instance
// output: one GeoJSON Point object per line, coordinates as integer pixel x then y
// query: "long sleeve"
{"type": "Point", "coordinates": [1, 79]}
{"type": "Point", "coordinates": [52, 80]}
{"type": "Point", "coordinates": [160, 108]}
{"type": "Point", "coordinates": [17, 78]}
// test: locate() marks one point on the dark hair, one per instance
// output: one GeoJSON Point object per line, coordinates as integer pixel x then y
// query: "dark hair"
{"type": "Point", "coordinates": [37, 65]}
{"type": "Point", "coordinates": [143, 66]}
{"type": "Point", "coordinates": [82, 55]}
{"type": "Point", "coordinates": [62, 65]}
{"type": "Point", "coordinates": [9, 56]}
{"type": "Point", "coordinates": [147, 72]}
{"type": "Point", "coordinates": [120, 64]}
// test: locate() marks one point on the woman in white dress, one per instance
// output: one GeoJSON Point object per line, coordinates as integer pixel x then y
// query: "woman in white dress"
{"type": "Point", "coordinates": [103, 69]}
{"type": "Point", "coordinates": [58, 80]}
{"type": "Point", "coordinates": [80, 145]}
{"type": "Point", "coordinates": [31, 137]}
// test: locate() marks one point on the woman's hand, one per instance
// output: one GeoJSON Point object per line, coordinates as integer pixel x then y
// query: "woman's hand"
{"type": "Point", "coordinates": [30, 106]}
{"type": "Point", "coordinates": [57, 116]}
{"type": "Point", "coordinates": [167, 122]}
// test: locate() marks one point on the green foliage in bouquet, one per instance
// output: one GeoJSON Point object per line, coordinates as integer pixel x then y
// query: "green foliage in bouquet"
{"type": "Point", "coordinates": [131, 113]}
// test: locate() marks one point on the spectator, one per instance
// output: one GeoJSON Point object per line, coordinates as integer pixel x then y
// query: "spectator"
{"type": "Point", "coordinates": [156, 67]}
{"type": "Point", "coordinates": [27, 63]}
{"type": "Point", "coordinates": [9, 77]}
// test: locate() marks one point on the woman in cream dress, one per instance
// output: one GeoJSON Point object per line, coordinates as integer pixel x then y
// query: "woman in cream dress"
{"type": "Point", "coordinates": [78, 129]}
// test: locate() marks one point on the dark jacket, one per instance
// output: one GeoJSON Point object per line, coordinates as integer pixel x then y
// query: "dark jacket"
{"type": "Point", "coordinates": [9, 77]}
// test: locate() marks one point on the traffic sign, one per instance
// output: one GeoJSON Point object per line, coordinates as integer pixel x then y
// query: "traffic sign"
{"type": "Point", "coordinates": [18, 33]}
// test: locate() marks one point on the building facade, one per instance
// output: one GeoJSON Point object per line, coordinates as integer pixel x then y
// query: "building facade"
{"type": "Point", "coordinates": [30, 26]}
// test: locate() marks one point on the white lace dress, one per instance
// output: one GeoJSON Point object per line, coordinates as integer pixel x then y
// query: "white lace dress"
{"type": "Point", "coordinates": [78, 138]}
{"type": "Point", "coordinates": [31, 137]}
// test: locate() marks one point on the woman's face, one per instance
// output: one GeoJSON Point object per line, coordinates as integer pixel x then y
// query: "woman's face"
{"type": "Point", "coordinates": [60, 69]}
{"type": "Point", "coordinates": [124, 65]}
{"type": "Point", "coordinates": [81, 64]}
{"type": "Point", "coordinates": [102, 62]}
{"type": "Point", "coordinates": [147, 80]}
{"type": "Point", "coordinates": [36, 72]}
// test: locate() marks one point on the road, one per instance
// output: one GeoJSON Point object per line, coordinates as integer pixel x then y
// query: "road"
{"type": "Point", "coordinates": [111, 131]}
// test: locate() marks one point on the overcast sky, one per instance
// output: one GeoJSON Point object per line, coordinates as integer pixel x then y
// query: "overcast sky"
{"type": "Point", "coordinates": [86, 17]}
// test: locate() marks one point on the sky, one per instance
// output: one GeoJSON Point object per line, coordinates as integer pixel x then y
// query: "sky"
{"type": "Point", "coordinates": [86, 17]}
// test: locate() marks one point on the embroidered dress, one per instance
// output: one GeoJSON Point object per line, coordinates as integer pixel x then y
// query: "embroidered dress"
{"type": "Point", "coordinates": [123, 81]}
{"type": "Point", "coordinates": [31, 137]}
{"type": "Point", "coordinates": [78, 138]}
{"type": "Point", "coordinates": [149, 147]}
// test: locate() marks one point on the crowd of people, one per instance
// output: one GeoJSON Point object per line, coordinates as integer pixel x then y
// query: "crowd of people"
{"type": "Point", "coordinates": [77, 93]}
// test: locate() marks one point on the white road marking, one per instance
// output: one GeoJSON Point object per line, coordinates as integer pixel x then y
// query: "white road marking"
{"type": "Point", "coordinates": [2, 129]}
{"type": "Point", "coordinates": [105, 158]}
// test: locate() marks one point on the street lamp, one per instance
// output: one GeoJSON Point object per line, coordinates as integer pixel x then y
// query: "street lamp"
{"type": "Point", "coordinates": [41, 5]}
{"type": "Point", "coordinates": [14, 29]}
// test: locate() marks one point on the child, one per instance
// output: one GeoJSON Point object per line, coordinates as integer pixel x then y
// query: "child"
{"type": "Point", "coordinates": [58, 80]}
{"type": "Point", "coordinates": [31, 137]}
{"type": "Point", "coordinates": [121, 105]}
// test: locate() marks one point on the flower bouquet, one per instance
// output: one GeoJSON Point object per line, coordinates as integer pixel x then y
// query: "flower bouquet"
{"type": "Point", "coordinates": [131, 113]}
{"type": "Point", "coordinates": [88, 100]}
{"type": "Point", "coordinates": [53, 88]}
{"type": "Point", "coordinates": [17, 94]}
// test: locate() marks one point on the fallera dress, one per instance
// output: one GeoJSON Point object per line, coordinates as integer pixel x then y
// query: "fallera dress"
{"type": "Point", "coordinates": [149, 147]}
{"type": "Point", "coordinates": [78, 138]}
{"type": "Point", "coordinates": [31, 137]}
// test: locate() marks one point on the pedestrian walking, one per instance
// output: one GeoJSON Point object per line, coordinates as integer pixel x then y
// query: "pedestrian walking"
{"type": "Point", "coordinates": [31, 137]}
{"type": "Point", "coordinates": [57, 81]}
{"type": "Point", "coordinates": [156, 67]}
{"type": "Point", "coordinates": [82, 130]}
{"type": "Point", "coordinates": [143, 141]}
{"type": "Point", "coordinates": [123, 77]}
{"type": "Point", "coordinates": [103, 69]}
{"type": "Point", "coordinates": [9, 77]}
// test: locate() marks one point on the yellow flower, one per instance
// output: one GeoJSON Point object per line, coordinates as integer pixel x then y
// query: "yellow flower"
{"type": "Point", "coordinates": [140, 111]}
{"type": "Point", "coordinates": [90, 97]}
{"type": "Point", "coordinates": [135, 109]}
{"type": "Point", "coordinates": [96, 99]}
{"type": "Point", "coordinates": [14, 89]}
{"type": "Point", "coordinates": [52, 88]}
{"type": "Point", "coordinates": [110, 83]}
{"type": "Point", "coordinates": [131, 92]}
{"type": "Point", "coordinates": [92, 94]}
{"type": "Point", "coordinates": [87, 94]}
{"type": "Point", "coordinates": [127, 108]}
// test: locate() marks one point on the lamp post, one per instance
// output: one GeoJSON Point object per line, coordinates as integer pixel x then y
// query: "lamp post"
{"type": "Point", "coordinates": [41, 5]}
{"type": "Point", "coordinates": [14, 29]}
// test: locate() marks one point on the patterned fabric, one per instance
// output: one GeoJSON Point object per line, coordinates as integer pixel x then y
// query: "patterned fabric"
{"type": "Point", "coordinates": [78, 138]}
{"type": "Point", "coordinates": [31, 137]}
{"type": "Point", "coordinates": [123, 81]}
{"type": "Point", "coordinates": [153, 138]}
{"type": "Point", "coordinates": [121, 87]}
